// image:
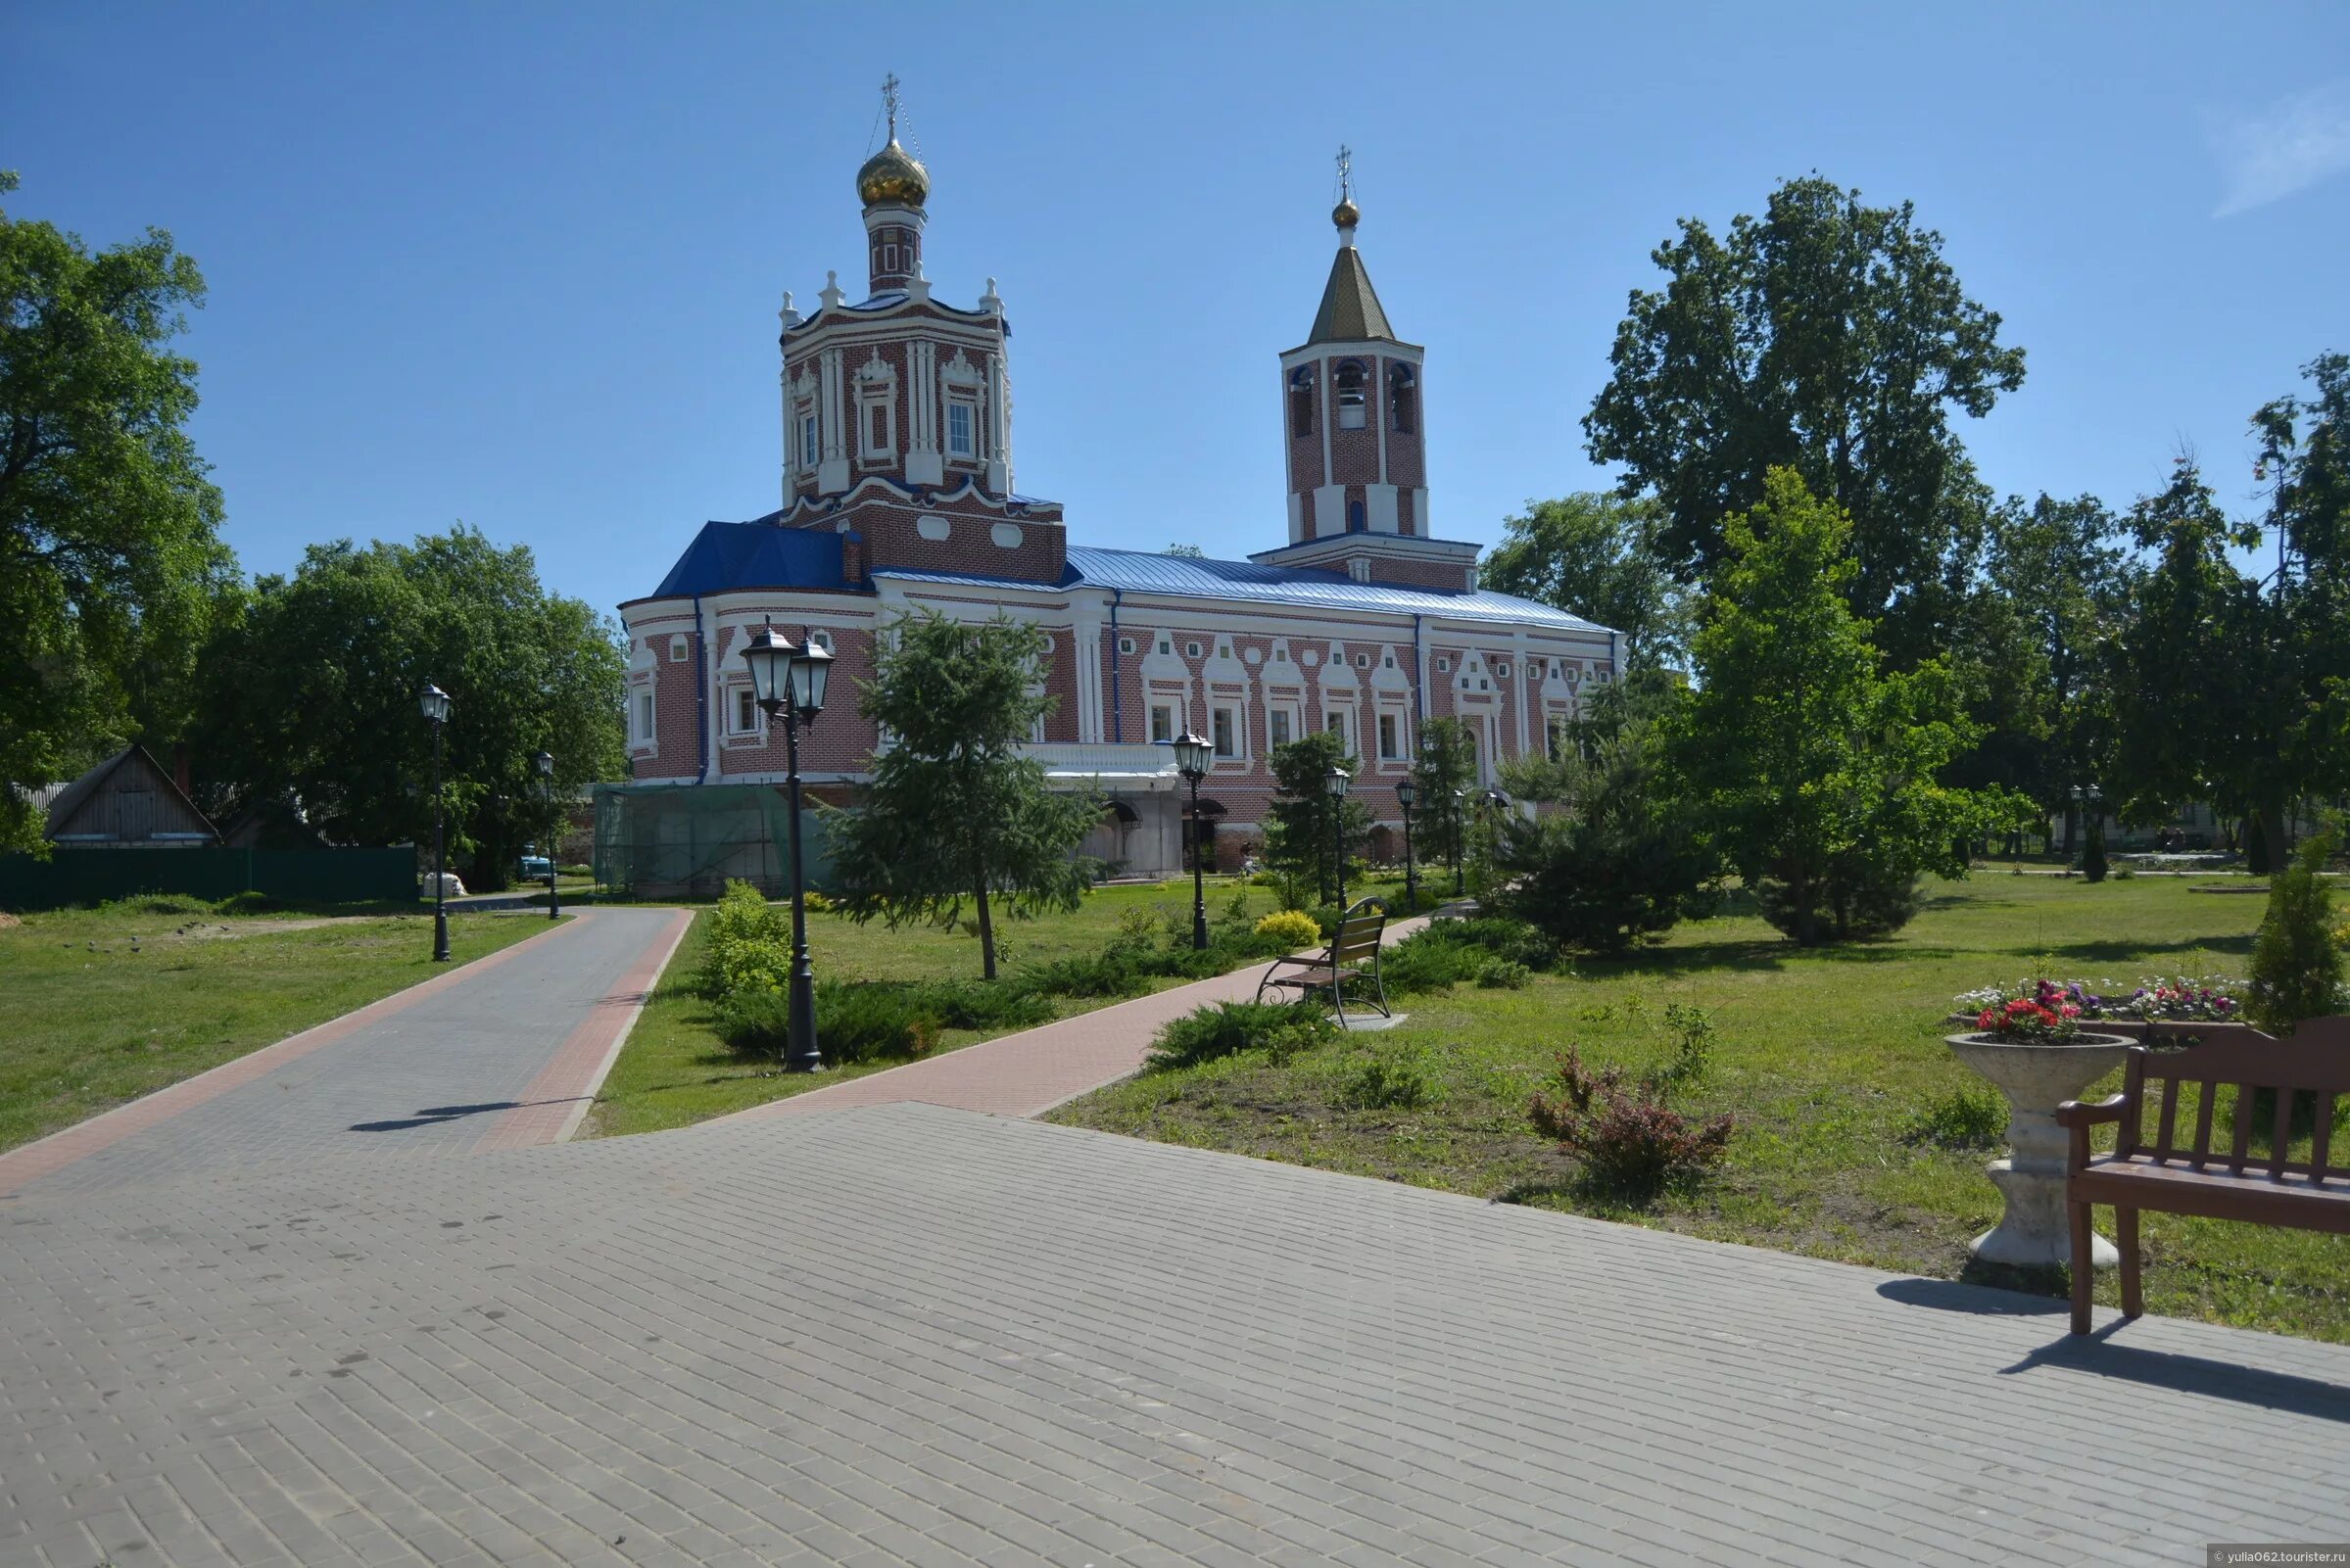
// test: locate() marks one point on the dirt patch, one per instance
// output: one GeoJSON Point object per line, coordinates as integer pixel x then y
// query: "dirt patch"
{"type": "Point", "coordinates": [215, 930]}
{"type": "Point", "coordinates": [7, 921]}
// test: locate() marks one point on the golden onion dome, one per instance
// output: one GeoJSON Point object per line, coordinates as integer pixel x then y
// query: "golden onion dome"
{"type": "Point", "coordinates": [894, 175]}
{"type": "Point", "coordinates": [1346, 214]}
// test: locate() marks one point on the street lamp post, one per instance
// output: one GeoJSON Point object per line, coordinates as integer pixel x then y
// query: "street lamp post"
{"type": "Point", "coordinates": [1191, 753]}
{"type": "Point", "coordinates": [1460, 832]}
{"type": "Point", "coordinates": [546, 765]}
{"type": "Point", "coordinates": [435, 703]}
{"type": "Point", "coordinates": [790, 682]}
{"type": "Point", "coordinates": [2090, 798]}
{"type": "Point", "coordinates": [1405, 792]}
{"type": "Point", "coordinates": [1335, 781]}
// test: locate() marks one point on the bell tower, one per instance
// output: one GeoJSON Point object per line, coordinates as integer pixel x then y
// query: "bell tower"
{"type": "Point", "coordinates": [1354, 433]}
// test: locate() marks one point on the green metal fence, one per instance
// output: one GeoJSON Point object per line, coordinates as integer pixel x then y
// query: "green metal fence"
{"type": "Point", "coordinates": [302, 875]}
{"type": "Point", "coordinates": [666, 841]}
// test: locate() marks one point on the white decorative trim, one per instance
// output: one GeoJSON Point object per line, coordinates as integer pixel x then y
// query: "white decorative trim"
{"type": "Point", "coordinates": [937, 529]}
{"type": "Point", "coordinates": [1007, 535]}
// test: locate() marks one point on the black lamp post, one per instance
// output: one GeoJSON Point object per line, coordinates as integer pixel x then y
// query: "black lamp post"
{"type": "Point", "coordinates": [435, 703]}
{"type": "Point", "coordinates": [790, 682]}
{"type": "Point", "coordinates": [1191, 753]}
{"type": "Point", "coordinates": [1335, 781]}
{"type": "Point", "coordinates": [2088, 799]}
{"type": "Point", "coordinates": [1405, 792]}
{"type": "Point", "coordinates": [1460, 832]}
{"type": "Point", "coordinates": [545, 762]}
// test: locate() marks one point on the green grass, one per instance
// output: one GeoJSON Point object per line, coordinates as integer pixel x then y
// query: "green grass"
{"type": "Point", "coordinates": [100, 1006]}
{"type": "Point", "coordinates": [1822, 1057]}
{"type": "Point", "coordinates": [675, 1069]}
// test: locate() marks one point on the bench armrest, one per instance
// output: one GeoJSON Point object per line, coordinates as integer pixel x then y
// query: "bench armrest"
{"type": "Point", "coordinates": [2089, 1113]}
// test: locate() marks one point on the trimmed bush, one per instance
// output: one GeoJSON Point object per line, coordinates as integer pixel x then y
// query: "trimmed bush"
{"type": "Point", "coordinates": [1290, 928]}
{"type": "Point", "coordinates": [2296, 968]}
{"type": "Point", "coordinates": [1228, 1027]}
{"type": "Point", "coordinates": [985, 1004]}
{"type": "Point", "coordinates": [749, 947]}
{"type": "Point", "coordinates": [855, 1022]}
{"type": "Point", "coordinates": [1500, 974]}
{"type": "Point", "coordinates": [1107, 973]}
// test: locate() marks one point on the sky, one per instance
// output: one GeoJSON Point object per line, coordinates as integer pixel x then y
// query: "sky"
{"type": "Point", "coordinates": [520, 264]}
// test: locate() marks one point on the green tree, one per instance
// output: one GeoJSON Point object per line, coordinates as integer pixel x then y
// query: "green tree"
{"type": "Point", "coordinates": [2296, 966]}
{"type": "Point", "coordinates": [2305, 457]}
{"type": "Point", "coordinates": [1444, 774]}
{"type": "Point", "coordinates": [1305, 829]}
{"type": "Point", "coordinates": [1601, 557]}
{"type": "Point", "coordinates": [308, 699]}
{"type": "Point", "coordinates": [955, 810]}
{"type": "Point", "coordinates": [1829, 338]}
{"type": "Point", "coordinates": [1814, 774]}
{"type": "Point", "coordinates": [110, 563]}
{"type": "Point", "coordinates": [1619, 860]}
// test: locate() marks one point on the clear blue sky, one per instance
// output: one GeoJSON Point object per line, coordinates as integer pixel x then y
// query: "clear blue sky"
{"type": "Point", "coordinates": [520, 264]}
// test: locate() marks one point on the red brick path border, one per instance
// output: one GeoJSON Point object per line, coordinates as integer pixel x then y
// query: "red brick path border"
{"type": "Point", "coordinates": [27, 1163]}
{"type": "Point", "coordinates": [559, 1096]}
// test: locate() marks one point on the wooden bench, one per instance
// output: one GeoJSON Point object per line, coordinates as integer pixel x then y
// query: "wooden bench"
{"type": "Point", "coordinates": [2185, 1174]}
{"type": "Point", "coordinates": [1352, 957]}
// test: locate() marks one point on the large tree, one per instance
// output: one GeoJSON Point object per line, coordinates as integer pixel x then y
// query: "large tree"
{"type": "Point", "coordinates": [2305, 457]}
{"type": "Point", "coordinates": [1814, 773]}
{"type": "Point", "coordinates": [1831, 338]}
{"type": "Point", "coordinates": [955, 810]}
{"type": "Point", "coordinates": [1444, 772]}
{"type": "Point", "coordinates": [1601, 557]}
{"type": "Point", "coordinates": [110, 555]}
{"type": "Point", "coordinates": [309, 701]}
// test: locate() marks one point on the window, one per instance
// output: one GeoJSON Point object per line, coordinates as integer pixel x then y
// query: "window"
{"type": "Point", "coordinates": [677, 649]}
{"type": "Point", "coordinates": [1277, 728]}
{"type": "Point", "coordinates": [807, 437]}
{"type": "Point", "coordinates": [1358, 570]}
{"type": "Point", "coordinates": [1502, 669]}
{"type": "Point", "coordinates": [1165, 646]}
{"type": "Point", "coordinates": [1280, 655]}
{"type": "Point", "coordinates": [958, 427]}
{"type": "Point", "coordinates": [1357, 520]}
{"type": "Point", "coordinates": [1191, 650]}
{"type": "Point", "coordinates": [645, 717]}
{"type": "Point", "coordinates": [1352, 401]}
{"type": "Point", "coordinates": [890, 260]}
{"type": "Point", "coordinates": [747, 710]}
{"type": "Point", "coordinates": [1223, 651]}
{"type": "Point", "coordinates": [1220, 720]}
{"type": "Point", "coordinates": [1126, 644]}
{"type": "Point", "coordinates": [1361, 661]}
{"type": "Point", "coordinates": [1301, 401]}
{"type": "Point", "coordinates": [1400, 398]}
{"type": "Point", "coordinates": [1444, 666]}
{"type": "Point", "coordinates": [1335, 721]}
{"type": "Point", "coordinates": [1388, 749]}
{"type": "Point", "coordinates": [1163, 716]}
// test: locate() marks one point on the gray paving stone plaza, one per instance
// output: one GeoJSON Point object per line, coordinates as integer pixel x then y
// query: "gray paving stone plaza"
{"type": "Point", "coordinates": [905, 1334]}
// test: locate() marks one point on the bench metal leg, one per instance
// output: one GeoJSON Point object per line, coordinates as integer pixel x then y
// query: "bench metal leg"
{"type": "Point", "coordinates": [2083, 1267]}
{"type": "Point", "coordinates": [2124, 1237]}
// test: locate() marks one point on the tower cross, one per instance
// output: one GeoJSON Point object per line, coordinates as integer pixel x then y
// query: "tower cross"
{"type": "Point", "coordinates": [890, 101]}
{"type": "Point", "coordinates": [1346, 172]}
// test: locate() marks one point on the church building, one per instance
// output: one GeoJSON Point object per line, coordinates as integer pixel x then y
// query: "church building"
{"type": "Point", "coordinates": [898, 494]}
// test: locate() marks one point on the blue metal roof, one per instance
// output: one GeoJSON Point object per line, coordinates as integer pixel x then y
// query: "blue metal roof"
{"type": "Point", "coordinates": [1191, 577]}
{"type": "Point", "coordinates": [755, 554]}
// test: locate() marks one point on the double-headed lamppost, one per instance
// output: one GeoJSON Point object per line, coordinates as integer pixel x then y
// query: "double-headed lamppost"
{"type": "Point", "coordinates": [1405, 792]}
{"type": "Point", "coordinates": [2087, 800]}
{"type": "Point", "coordinates": [790, 682]}
{"type": "Point", "coordinates": [1460, 832]}
{"type": "Point", "coordinates": [545, 762]}
{"type": "Point", "coordinates": [1191, 753]}
{"type": "Point", "coordinates": [1335, 781]}
{"type": "Point", "coordinates": [435, 703]}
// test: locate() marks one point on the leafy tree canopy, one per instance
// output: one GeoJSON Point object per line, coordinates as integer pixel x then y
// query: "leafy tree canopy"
{"type": "Point", "coordinates": [1305, 829]}
{"type": "Point", "coordinates": [955, 810]}
{"type": "Point", "coordinates": [109, 557]}
{"type": "Point", "coordinates": [1601, 557]}
{"type": "Point", "coordinates": [1827, 337]}
{"type": "Point", "coordinates": [1816, 775]}
{"type": "Point", "coordinates": [309, 697]}
{"type": "Point", "coordinates": [1444, 774]}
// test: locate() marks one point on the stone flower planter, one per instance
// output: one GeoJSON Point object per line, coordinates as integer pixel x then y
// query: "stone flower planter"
{"type": "Point", "coordinates": [2036, 1078]}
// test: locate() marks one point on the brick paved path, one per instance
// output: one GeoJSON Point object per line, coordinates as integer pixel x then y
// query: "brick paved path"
{"type": "Point", "coordinates": [904, 1335]}
{"type": "Point", "coordinates": [1028, 1073]}
{"type": "Point", "coordinates": [503, 1051]}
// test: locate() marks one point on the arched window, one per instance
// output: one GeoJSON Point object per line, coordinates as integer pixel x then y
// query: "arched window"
{"type": "Point", "coordinates": [1355, 522]}
{"type": "Point", "coordinates": [1402, 394]}
{"type": "Point", "coordinates": [1351, 402]}
{"type": "Point", "coordinates": [1301, 401]}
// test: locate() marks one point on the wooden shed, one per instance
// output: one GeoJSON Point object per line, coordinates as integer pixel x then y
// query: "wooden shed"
{"type": "Point", "coordinates": [128, 799]}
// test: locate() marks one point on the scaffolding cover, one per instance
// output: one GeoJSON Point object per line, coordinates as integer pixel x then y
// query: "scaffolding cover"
{"type": "Point", "coordinates": [663, 841]}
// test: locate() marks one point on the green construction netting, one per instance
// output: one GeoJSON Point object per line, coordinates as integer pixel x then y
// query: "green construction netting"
{"type": "Point", "coordinates": [656, 842]}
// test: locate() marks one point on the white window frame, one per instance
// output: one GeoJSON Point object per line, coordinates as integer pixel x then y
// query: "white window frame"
{"type": "Point", "coordinates": [1223, 729]}
{"type": "Point", "coordinates": [1191, 650]}
{"type": "Point", "coordinates": [1391, 735]}
{"type": "Point", "coordinates": [811, 452]}
{"type": "Point", "coordinates": [644, 713]}
{"type": "Point", "coordinates": [1444, 666]}
{"type": "Point", "coordinates": [1337, 720]}
{"type": "Point", "coordinates": [967, 450]}
{"type": "Point", "coordinates": [1126, 644]}
{"type": "Point", "coordinates": [1162, 717]}
{"type": "Point", "coordinates": [742, 709]}
{"type": "Point", "coordinates": [1283, 714]}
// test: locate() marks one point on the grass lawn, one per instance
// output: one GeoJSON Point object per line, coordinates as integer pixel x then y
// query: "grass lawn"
{"type": "Point", "coordinates": [1820, 1056]}
{"type": "Point", "coordinates": [100, 1006]}
{"type": "Point", "coordinates": [676, 1070]}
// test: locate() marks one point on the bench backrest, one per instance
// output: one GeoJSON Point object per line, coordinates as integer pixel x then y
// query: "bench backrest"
{"type": "Point", "coordinates": [2313, 1061]}
{"type": "Point", "coordinates": [1359, 931]}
